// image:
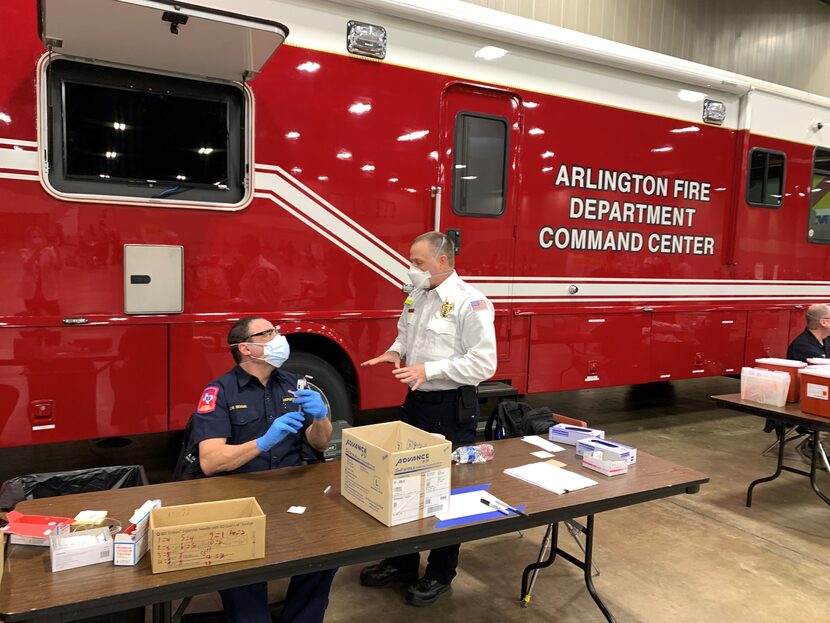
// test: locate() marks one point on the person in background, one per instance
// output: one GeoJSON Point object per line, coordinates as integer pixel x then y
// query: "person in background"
{"type": "Point", "coordinates": [447, 337]}
{"type": "Point", "coordinates": [813, 342]}
{"type": "Point", "coordinates": [255, 418]}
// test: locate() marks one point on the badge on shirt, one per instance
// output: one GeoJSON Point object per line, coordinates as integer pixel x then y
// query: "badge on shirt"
{"type": "Point", "coordinates": [446, 310]}
{"type": "Point", "coordinates": [207, 403]}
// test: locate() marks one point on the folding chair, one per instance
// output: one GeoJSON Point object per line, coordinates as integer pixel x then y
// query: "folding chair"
{"type": "Point", "coordinates": [575, 528]}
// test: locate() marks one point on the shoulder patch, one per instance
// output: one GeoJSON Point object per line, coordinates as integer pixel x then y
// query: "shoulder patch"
{"type": "Point", "coordinates": [478, 305]}
{"type": "Point", "coordinates": [207, 403]}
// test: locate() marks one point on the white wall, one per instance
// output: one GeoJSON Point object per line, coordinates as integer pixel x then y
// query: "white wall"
{"type": "Point", "coordinates": [782, 41]}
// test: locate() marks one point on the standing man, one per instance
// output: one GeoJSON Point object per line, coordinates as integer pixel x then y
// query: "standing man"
{"type": "Point", "coordinates": [248, 420]}
{"type": "Point", "coordinates": [813, 342]}
{"type": "Point", "coordinates": [447, 338]}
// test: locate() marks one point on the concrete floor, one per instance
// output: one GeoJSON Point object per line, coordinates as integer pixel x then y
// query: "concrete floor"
{"type": "Point", "coordinates": [694, 558]}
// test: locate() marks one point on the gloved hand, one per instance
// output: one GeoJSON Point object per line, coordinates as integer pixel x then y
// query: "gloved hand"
{"type": "Point", "coordinates": [311, 402]}
{"type": "Point", "coordinates": [283, 426]}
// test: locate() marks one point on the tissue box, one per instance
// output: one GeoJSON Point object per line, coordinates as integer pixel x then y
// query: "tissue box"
{"type": "Point", "coordinates": [569, 434]}
{"type": "Point", "coordinates": [610, 449]}
{"type": "Point", "coordinates": [131, 545]}
{"type": "Point", "coordinates": [69, 550]}
{"type": "Point", "coordinates": [608, 466]}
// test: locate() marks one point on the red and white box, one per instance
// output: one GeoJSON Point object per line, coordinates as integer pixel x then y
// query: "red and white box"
{"type": "Point", "coordinates": [130, 545]}
{"type": "Point", "coordinates": [32, 529]}
{"type": "Point", "coordinates": [790, 366]}
{"type": "Point", "coordinates": [815, 391]}
{"type": "Point", "coordinates": [607, 466]}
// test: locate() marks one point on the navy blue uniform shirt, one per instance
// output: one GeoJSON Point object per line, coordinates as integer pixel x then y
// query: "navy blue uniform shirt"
{"type": "Point", "coordinates": [807, 345]}
{"type": "Point", "coordinates": [238, 408]}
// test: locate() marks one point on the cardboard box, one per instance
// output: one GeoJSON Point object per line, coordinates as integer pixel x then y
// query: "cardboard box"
{"type": "Point", "coordinates": [790, 366]}
{"type": "Point", "coordinates": [569, 434]}
{"type": "Point", "coordinates": [610, 449]}
{"type": "Point", "coordinates": [815, 391]}
{"type": "Point", "coordinates": [395, 472]}
{"type": "Point", "coordinates": [32, 529]}
{"type": "Point", "coordinates": [70, 550]}
{"type": "Point", "coordinates": [606, 465]}
{"type": "Point", "coordinates": [130, 546]}
{"type": "Point", "coordinates": [206, 534]}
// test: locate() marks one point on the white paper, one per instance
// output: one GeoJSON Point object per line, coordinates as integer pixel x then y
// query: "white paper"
{"type": "Point", "coordinates": [542, 443]}
{"type": "Point", "coordinates": [468, 504]}
{"type": "Point", "coordinates": [297, 510]}
{"type": "Point", "coordinates": [541, 454]}
{"type": "Point", "coordinates": [548, 477]}
{"type": "Point", "coordinates": [406, 495]}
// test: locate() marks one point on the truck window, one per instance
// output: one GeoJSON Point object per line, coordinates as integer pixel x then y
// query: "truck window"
{"type": "Point", "coordinates": [479, 180]}
{"type": "Point", "coordinates": [818, 226]}
{"type": "Point", "coordinates": [765, 182]}
{"type": "Point", "coordinates": [115, 132]}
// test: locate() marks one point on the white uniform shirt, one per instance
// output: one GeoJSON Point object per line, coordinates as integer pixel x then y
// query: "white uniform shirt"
{"type": "Point", "coordinates": [450, 330]}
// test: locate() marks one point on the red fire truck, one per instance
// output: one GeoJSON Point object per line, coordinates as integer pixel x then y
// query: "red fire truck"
{"type": "Point", "coordinates": [166, 168]}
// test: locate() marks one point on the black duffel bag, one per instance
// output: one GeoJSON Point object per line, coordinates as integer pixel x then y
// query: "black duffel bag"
{"type": "Point", "coordinates": [517, 419]}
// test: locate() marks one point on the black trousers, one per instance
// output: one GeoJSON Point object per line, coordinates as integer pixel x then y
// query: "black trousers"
{"type": "Point", "coordinates": [435, 412]}
{"type": "Point", "coordinates": [305, 602]}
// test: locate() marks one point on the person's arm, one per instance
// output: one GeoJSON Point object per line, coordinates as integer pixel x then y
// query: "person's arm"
{"type": "Point", "coordinates": [217, 455]}
{"type": "Point", "coordinates": [478, 337]}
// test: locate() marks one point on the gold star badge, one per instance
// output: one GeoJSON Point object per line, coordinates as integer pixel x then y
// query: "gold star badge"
{"type": "Point", "coordinates": [446, 310]}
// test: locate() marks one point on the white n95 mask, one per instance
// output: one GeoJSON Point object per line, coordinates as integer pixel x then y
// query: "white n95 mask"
{"type": "Point", "coordinates": [419, 278]}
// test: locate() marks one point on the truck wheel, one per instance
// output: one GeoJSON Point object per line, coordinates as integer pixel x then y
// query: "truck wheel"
{"type": "Point", "coordinates": [326, 380]}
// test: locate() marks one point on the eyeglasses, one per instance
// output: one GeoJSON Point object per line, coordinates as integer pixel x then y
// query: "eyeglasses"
{"type": "Point", "coordinates": [269, 333]}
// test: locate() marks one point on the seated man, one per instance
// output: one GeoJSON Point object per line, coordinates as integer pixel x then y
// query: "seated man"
{"type": "Point", "coordinates": [813, 342]}
{"type": "Point", "coordinates": [254, 418]}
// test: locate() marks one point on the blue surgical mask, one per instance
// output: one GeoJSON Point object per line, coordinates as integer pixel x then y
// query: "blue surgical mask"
{"type": "Point", "coordinates": [276, 351]}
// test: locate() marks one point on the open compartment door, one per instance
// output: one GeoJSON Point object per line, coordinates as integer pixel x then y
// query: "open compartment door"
{"type": "Point", "coordinates": [161, 35]}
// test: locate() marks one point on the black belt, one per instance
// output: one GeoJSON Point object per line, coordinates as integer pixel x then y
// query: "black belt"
{"type": "Point", "coordinates": [434, 397]}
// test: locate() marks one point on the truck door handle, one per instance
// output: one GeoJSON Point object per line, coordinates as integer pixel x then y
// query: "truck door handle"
{"type": "Point", "coordinates": [140, 279]}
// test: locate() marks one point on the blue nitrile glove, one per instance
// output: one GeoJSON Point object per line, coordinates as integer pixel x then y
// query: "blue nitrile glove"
{"type": "Point", "coordinates": [311, 402]}
{"type": "Point", "coordinates": [283, 426]}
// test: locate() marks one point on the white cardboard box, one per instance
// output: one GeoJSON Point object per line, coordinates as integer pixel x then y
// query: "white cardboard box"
{"type": "Point", "coordinates": [598, 462]}
{"type": "Point", "coordinates": [78, 549]}
{"type": "Point", "coordinates": [131, 545]}
{"type": "Point", "coordinates": [611, 449]}
{"type": "Point", "coordinates": [395, 472]}
{"type": "Point", "coordinates": [569, 434]}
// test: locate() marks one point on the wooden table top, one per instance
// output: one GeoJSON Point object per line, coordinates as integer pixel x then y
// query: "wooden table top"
{"type": "Point", "coordinates": [331, 533]}
{"type": "Point", "coordinates": [790, 413]}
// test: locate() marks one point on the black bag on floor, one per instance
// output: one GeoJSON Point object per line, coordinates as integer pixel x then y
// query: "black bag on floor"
{"type": "Point", "coordinates": [517, 419]}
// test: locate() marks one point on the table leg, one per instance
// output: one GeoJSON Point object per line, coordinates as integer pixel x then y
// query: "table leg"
{"type": "Point", "coordinates": [779, 431]}
{"type": "Point", "coordinates": [585, 565]}
{"type": "Point", "coordinates": [162, 612]}
{"type": "Point", "coordinates": [817, 449]}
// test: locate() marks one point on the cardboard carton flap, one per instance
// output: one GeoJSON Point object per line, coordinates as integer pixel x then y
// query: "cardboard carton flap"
{"type": "Point", "coordinates": [33, 525]}
{"type": "Point", "coordinates": [161, 35]}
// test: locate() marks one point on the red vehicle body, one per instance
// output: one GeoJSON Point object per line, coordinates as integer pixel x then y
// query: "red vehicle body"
{"type": "Point", "coordinates": [347, 160]}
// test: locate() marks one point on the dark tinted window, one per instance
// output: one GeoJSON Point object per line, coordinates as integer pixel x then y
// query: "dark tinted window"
{"type": "Point", "coordinates": [115, 132]}
{"type": "Point", "coordinates": [765, 185]}
{"type": "Point", "coordinates": [818, 228]}
{"type": "Point", "coordinates": [479, 181]}
{"type": "Point", "coordinates": [139, 136]}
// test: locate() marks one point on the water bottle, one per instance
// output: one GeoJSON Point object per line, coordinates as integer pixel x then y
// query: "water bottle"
{"type": "Point", "coordinates": [474, 454]}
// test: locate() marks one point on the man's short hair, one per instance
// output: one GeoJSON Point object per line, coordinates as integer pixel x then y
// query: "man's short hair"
{"type": "Point", "coordinates": [815, 313]}
{"type": "Point", "coordinates": [440, 245]}
{"type": "Point", "coordinates": [238, 333]}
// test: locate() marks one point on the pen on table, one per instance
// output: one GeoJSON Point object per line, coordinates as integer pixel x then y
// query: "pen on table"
{"type": "Point", "coordinates": [502, 508]}
{"type": "Point", "coordinates": [326, 490]}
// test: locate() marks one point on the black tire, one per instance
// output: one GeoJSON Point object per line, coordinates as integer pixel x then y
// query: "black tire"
{"type": "Point", "coordinates": [326, 380]}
